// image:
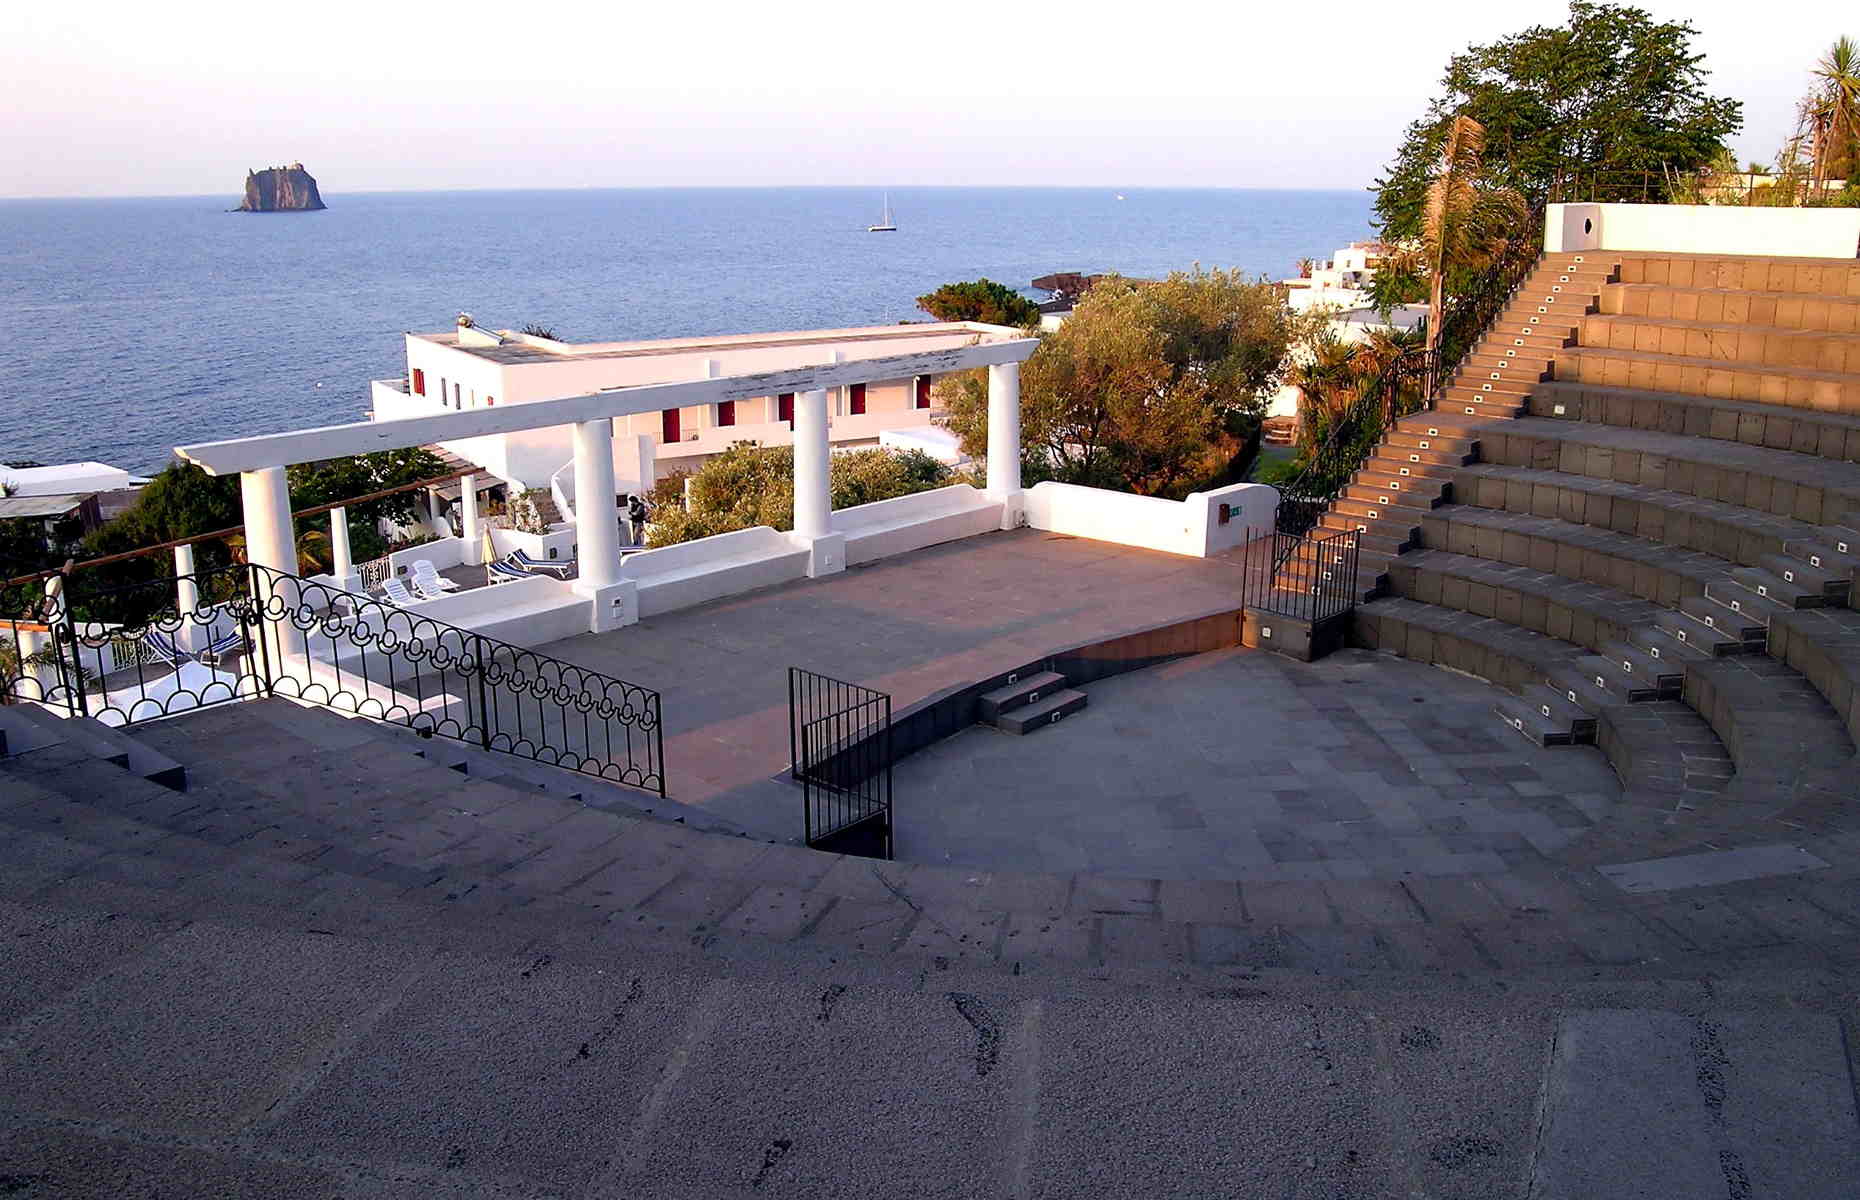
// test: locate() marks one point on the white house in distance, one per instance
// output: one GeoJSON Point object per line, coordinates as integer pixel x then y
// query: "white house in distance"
{"type": "Point", "coordinates": [473, 368]}
{"type": "Point", "coordinates": [1342, 282]}
{"type": "Point", "coordinates": [1341, 287]}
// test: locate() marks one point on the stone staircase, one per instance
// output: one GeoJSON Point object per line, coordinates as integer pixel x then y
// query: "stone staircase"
{"type": "Point", "coordinates": [1022, 706]}
{"type": "Point", "coordinates": [1637, 510]}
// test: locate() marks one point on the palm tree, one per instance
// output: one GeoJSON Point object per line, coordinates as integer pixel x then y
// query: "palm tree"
{"type": "Point", "coordinates": [313, 550]}
{"type": "Point", "coordinates": [1831, 112]}
{"type": "Point", "coordinates": [1467, 221]}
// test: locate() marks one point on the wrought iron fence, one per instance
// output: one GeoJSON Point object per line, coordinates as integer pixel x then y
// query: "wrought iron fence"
{"type": "Point", "coordinates": [1309, 577]}
{"type": "Point", "coordinates": [1472, 309]}
{"type": "Point", "coordinates": [1783, 189]}
{"type": "Point", "coordinates": [841, 752]}
{"type": "Point", "coordinates": [1351, 437]}
{"type": "Point", "coordinates": [243, 631]}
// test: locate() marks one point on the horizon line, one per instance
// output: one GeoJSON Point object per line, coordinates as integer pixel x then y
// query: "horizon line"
{"type": "Point", "coordinates": [711, 187]}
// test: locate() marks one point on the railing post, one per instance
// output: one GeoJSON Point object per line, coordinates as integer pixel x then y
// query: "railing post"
{"type": "Point", "coordinates": [75, 683]}
{"type": "Point", "coordinates": [260, 600]}
{"type": "Point", "coordinates": [484, 711]}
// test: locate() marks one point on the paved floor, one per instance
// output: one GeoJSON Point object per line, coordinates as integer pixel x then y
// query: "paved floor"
{"type": "Point", "coordinates": [909, 625]}
{"type": "Point", "coordinates": [1245, 765]}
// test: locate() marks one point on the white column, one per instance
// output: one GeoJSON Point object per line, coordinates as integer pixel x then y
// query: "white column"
{"type": "Point", "coordinates": [270, 539]}
{"type": "Point", "coordinates": [597, 518]}
{"type": "Point", "coordinates": [190, 636]}
{"type": "Point", "coordinates": [813, 497]}
{"type": "Point", "coordinates": [271, 542]}
{"type": "Point", "coordinates": [342, 564]}
{"type": "Point", "coordinates": [468, 511]}
{"type": "Point", "coordinates": [432, 512]}
{"type": "Point", "coordinates": [1004, 440]}
{"type": "Point", "coordinates": [813, 488]}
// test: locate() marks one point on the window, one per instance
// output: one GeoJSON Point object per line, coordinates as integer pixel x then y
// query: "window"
{"type": "Point", "coordinates": [489, 401]}
{"type": "Point", "coordinates": [923, 391]}
{"type": "Point", "coordinates": [668, 426]}
{"type": "Point", "coordinates": [855, 399]}
{"type": "Point", "coordinates": [419, 382]}
{"type": "Point", "coordinates": [726, 412]}
{"type": "Point", "coordinates": [784, 408]}
{"type": "Point", "coordinates": [458, 395]}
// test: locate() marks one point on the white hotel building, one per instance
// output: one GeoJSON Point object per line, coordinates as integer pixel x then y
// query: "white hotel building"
{"type": "Point", "coordinates": [473, 368]}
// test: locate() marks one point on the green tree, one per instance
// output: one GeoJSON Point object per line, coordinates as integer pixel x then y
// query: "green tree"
{"type": "Point", "coordinates": [1467, 222]}
{"type": "Point", "coordinates": [749, 485]}
{"type": "Point", "coordinates": [1154, 388]}
{"type": "Point", "coordinates": [337, 479]}
{"type": "Point", "coordinates": [1830, 115]}
{"type": "Point", "coordinates": [1580, 110]}
{"type": "Point", "coordinates": [981, 300]}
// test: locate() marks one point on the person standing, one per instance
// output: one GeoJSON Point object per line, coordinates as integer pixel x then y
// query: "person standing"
{"type": "Point", "coordinates": [636, 513]}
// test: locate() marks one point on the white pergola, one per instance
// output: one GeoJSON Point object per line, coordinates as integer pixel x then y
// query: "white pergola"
{"type": "Point", "coordinates": [260, 461]}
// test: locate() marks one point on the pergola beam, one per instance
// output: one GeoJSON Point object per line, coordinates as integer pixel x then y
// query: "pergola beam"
{"type": "Point", "coordinates": [366, 437]}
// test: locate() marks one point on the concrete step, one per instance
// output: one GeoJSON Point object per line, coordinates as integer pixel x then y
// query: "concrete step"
{"type": "Point", "coordinates": [1745, 602]}
{"type": "Point", "coordinates": [1712, 640]}
{"type": "Point", "coordinates": [1720, 618]}
{"type": "Point", "coordinates": [1547, 716]}
{"type": "Point", "coordinates": [1625, 685]}
{"type": "Point", "coordinates": [1782, 310]}
{"type": "Point", "coordinates": [1833, 585]}
{"type": "Point", "coordinates": [1394, 496]}
{"type": "Point", "coordinates": [1383, 477]}
{"type": "Point", "coordinates": [1771, 586]}
{"type": "Point", "coordinates": [1671, 652]}
{"type": "Point", "coordinates": [1823, 555]}
{"type": "Point", "coordinates": [1049, 710]}
{"type": "Point", "coordinates": [106, 744]}
{"type": "Point", "coordinates": [1529, 721]}
{"type": "Point", "coordinates": [20, 734]}
{"type": "Point", "coordinates": [1018, 694]}
{"type": "Point", "coordinates": [1643, 667]}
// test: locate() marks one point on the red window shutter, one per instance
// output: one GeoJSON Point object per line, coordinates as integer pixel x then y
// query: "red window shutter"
{"type": "Point", "coordinates": [855, 400]}
{"type": "Point", "coordinates": [419, 382]}
{"type": "Point", "coordinates": [668, 426]}
{"type": "Point", "coordinates": [726, 412]}
{"type": "Point", "coordinates": [784, 408]}
{"type": "Point", "coordinates": [923, 391]}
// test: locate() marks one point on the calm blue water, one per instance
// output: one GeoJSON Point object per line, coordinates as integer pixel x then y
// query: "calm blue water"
{"type": "Point", "coordinates": [133, 326]}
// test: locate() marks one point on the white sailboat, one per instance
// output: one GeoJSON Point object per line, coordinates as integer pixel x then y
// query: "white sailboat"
{"type": "Point", "coordinates": [884, 222]}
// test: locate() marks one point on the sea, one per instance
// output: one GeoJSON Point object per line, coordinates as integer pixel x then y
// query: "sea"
{"type": "Point", "coordinates": [131, 326]}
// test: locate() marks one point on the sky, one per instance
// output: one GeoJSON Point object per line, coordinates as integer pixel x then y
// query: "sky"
{"type": "Point", "coordinates": [101, 98]}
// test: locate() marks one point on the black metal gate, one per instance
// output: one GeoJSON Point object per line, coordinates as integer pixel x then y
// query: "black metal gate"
{"type": "Point", "coordinates": [150, 649]}
{"type": "Point", "coordinates": [839, 745]}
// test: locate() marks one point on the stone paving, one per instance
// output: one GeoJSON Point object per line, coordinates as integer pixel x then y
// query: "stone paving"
{"type": "Point", "coordinates": [910, 625]}
{"type": "Point", "coordinates": [1244, 765]}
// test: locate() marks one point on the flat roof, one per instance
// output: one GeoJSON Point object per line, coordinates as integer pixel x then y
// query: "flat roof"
{"type": "Point", "coordinates": [519, 349]}
{"type": "Point", "coordinates": [13, 507]}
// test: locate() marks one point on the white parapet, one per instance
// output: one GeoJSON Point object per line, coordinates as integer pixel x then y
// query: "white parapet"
{"type": "Point", "coordinates": [1704, 229]}
{"type": "Point", "coordinates": [1203, 524]}
{"type": "Point", "coordinates": [906, 523]}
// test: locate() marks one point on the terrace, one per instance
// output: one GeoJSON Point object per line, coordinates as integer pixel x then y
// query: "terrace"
{"type": "Point", "coordinates": [1574, 915]}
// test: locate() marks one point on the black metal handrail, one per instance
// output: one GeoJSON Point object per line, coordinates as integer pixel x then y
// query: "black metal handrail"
{"type": "Point", "coordinates": [1310, 577]}
{"type": "Point", "coordinates": [1399, 390]}
{"type": "Point", "coordinates": [841, 752]}
{"type": "Point", "coordinates": [140, 651]}
{"type": "Point", "coordinates": [1469, 314]}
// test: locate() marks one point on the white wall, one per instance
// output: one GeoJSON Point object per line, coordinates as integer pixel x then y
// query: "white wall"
{"type": "Point", "coordinates": [905, 523]}
{"type": "Point", "coordinates": [1704, 229]}
{"type": "Point", "coordinates": [1191, 526]}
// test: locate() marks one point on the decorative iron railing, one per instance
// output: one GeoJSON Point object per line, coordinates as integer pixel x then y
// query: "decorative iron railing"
{"type": "Point", "coordinates": [1350, 438]}
{"type": "Point", "coordinates": [243, 631]}
{"type": "Point", "coordinates": [1310, 577]}
{"type": "Point", "coordinates": [841, 753]}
